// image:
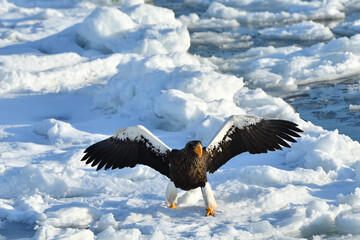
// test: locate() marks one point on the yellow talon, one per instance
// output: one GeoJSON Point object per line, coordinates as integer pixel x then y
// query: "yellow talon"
{"type": "Point", "coordinates": [209, 212]}
{"type": "Point", "coordinates": [173, 206]}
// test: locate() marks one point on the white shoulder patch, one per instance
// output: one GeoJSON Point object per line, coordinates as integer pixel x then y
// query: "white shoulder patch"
{"type": "Point", "coordinates": [137, 133]}
{"type": "Point", "coordinates": [235, 121]}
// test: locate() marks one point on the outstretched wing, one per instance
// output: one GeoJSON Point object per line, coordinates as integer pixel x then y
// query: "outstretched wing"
{"type": "Point", "coordinates": [249, 134]}
{"type": "Point", "coordinates": [128, 147]}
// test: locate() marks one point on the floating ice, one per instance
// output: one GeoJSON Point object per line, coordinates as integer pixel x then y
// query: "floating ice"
{"type": "Point", "coordinates": [306, 30]}
{"type": "Point", "coordinates": [354, 108]}
{"type": "Point", "coordinates": [287, 68]}
{"type": "Point", "coordinates": [193, 21]}
{"type": "Point", "coordinates": [348, 28]}
{"type": "Point", "coordinates": [257, 12]}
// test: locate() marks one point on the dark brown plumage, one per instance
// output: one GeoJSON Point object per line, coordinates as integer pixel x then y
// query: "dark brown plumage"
{"type": "Point", "coordinates": [187, 167]}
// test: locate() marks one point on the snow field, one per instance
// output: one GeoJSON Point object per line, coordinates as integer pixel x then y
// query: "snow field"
{"type": "Point", "coordinates": [116, 67]}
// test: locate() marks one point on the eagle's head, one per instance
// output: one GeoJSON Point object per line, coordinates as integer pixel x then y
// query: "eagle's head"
{"type": "Point", "coordinates": [195, 146]}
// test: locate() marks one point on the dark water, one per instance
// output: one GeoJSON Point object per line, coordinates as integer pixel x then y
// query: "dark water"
{"type": "Point", "coordinates": [325, 105]}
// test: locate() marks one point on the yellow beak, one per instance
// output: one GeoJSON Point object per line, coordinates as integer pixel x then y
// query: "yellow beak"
{"type": "Point", "coordinates": [198, 150]}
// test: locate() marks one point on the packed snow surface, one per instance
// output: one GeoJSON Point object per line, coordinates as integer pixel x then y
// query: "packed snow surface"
{"type": "Point", "coordinates": [74, 72]}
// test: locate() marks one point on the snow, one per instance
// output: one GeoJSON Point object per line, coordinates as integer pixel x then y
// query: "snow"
{"type": "Point", "coordinates": [72, 217]}
{"type": "Point", "coordinates": [73, 72]}
{"type": "Point", "coordinates": [348, 221]}
{"type": "Point", "coordinates": [122, 34]}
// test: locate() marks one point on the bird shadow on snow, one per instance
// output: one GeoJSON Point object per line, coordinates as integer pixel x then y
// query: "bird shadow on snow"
{"type": "Point", "coordinates": [16, 230]}
{"type": "Point", "coordinates": [155, 205]}
{"type": "Point", "coordinates": [144, 215]}
{"type": "Point", "coordinates": [163, 216]}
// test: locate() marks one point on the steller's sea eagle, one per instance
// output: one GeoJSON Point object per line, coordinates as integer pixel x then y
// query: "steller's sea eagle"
{"type": "Point", "coordinates": [187, 168]}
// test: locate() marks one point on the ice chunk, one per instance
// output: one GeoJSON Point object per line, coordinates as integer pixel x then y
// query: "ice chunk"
{"type": "Point", "coordinates": [110, 30]}
{"type": "Point", "coordinates": [260, 13]}
{"type": "Point", "coordinates": [106, 221]}
{"type": "Point", "coordinates": [71, 217]}
{"type": "Point", "coordinates": [307, 30]}
{"type": "Point", "coordinates": [348, 221]}
{"type": "Point", "coordinates": [179, 107]}
{"type": "Point", "coordinates": [354, 108]}
{"type": "Point", "coordinates": [111, 233]}
{"type": "Point", "coordinates": [275, 68]}
{"type": "Point", "coordinates": [58, 132]}
{"type": "Point", "coordinates": [50, 232]}
{"type": "Point", "coordinates": [348, 28]}
{"type": "Point", "coordinates": [104, 23]}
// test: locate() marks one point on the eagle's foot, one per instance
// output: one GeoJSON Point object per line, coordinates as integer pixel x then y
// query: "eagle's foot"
{"type": "Point", "coordinates": [209, 212]}
{"type": "Point", "coordinates": [173, 206]}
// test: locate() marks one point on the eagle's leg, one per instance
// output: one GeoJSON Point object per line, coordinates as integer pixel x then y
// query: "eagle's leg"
{"type": "Point", "coordinates": [171, 194]}
{"type": "Point", "coordinates": [209, 199]}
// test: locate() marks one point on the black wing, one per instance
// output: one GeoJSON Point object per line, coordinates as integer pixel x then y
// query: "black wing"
{"type": "Point", "coordinates": [127, 148]}
{"type": "Point", "coordinates": [249, 134]}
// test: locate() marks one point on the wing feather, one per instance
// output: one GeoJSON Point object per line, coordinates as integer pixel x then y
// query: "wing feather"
{"type": "Point", "coordinates": [249, 134]}
{"type": "Point", "coordinates": [127, 148]}
{"type": "Point", "coordinates": [272, 125]}
{"type": "Point", "coordinates": [259, 145]}
{"type": "Point", "coordinates": [248, 141]}
{"type": "Point", "coordinates": [269, 144]}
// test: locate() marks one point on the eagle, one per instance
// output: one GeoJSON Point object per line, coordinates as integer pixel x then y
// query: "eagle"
{"type": "Point", "coordinates": [187, 168]}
